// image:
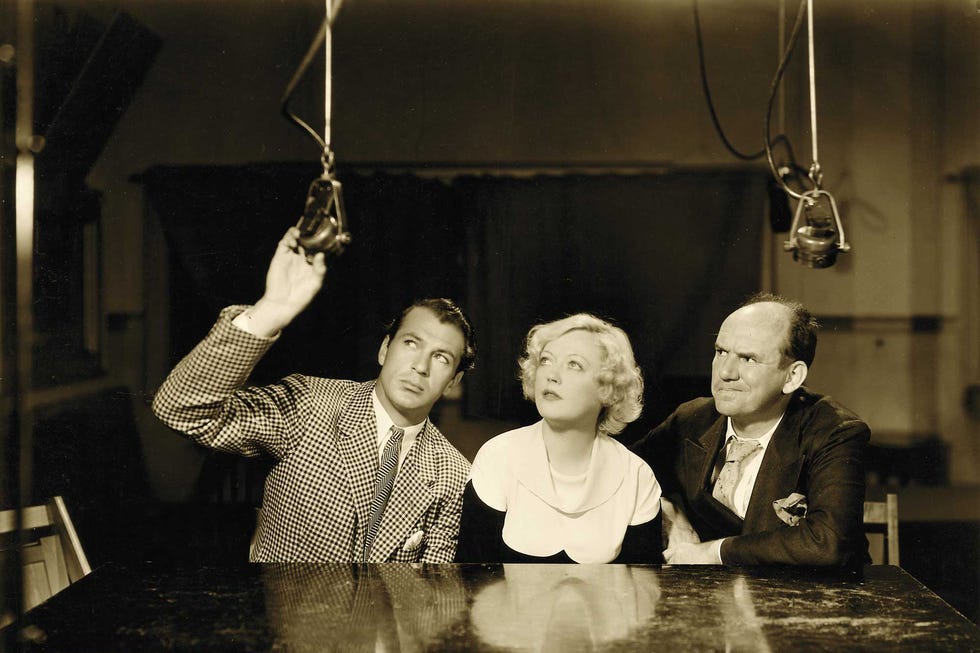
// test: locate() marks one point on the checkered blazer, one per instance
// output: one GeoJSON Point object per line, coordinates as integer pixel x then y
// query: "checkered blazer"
{"type": "Point", "coordinates": [323, 435]}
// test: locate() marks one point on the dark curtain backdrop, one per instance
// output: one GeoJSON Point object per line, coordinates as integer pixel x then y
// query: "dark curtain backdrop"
{"type": "Point", "coordinates": [517, 263]}
{"type": "Point", "coordinates": [665, 256]}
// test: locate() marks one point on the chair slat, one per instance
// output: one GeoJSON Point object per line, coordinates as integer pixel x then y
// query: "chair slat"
{"type": "Point", "coordinates": [75, 557]}
{"type": "Point", "coordinates": [885, 513]}
{"type": "Point", "coordinates": [34, 517]}
{"type": "Point", "coordinates": [55, 558]}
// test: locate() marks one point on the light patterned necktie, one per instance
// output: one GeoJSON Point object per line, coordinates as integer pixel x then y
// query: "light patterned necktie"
{"type": "Point", "coordinates": [731, 472]}
{"type": "Point", "coordinates": [383, 483]}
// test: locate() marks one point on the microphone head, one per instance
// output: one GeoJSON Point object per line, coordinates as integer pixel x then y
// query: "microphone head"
{"type": "Point", "coordinates": [816, 247]}
{"type": "Point", "coordinates": [819, 236]}
{"type": "Point", "coordinates": [321, 227]}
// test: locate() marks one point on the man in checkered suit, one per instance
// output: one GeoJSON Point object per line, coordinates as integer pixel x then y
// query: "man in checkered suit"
{"type": "Point", "coordinates": [327, 435]}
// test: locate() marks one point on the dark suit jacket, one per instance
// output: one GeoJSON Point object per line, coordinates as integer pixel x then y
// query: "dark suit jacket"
{"type": "Point", "coordinates": [818, 450]}
{"type": "Point", "coordinates": [322, 434]}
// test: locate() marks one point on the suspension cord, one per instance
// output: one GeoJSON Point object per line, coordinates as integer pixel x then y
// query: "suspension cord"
{"type": "Point", "coordinates": [781, 40]}
{"type": "Point", "coordinates": [777, 78]}
{"type": "Point", "coordinates": [327, 158]}
{"type": "Point", "coordinates": [323, 37]}
{"type": "Point", "coordinates": [815, 173]}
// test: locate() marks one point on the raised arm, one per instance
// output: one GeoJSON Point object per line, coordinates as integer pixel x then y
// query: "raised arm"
{"type": "Point", "coordinates": [203, 396]}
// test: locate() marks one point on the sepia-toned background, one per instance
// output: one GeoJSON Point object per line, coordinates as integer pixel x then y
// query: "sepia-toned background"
{"type": "Point", "coordinates": [529, 158]}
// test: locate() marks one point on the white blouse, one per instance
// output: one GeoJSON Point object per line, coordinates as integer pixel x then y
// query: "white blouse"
{"type": "Point", "coordinates": [511, 474]}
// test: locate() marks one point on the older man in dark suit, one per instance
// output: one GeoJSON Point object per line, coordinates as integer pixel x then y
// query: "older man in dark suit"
{"type": "Point", "coordinates": [765, 471]}
{"type": "Point", "coordinates": [361, 474]}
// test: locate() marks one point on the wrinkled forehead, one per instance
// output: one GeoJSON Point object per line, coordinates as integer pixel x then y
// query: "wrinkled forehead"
{"type": "Point", "coordinates": [761, 328]}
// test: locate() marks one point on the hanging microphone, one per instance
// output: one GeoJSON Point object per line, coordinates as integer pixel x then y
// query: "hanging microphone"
{"type": "Point", "coordinates": [322, 227]}
{"type": "Point", "coordinates": [816, 239]}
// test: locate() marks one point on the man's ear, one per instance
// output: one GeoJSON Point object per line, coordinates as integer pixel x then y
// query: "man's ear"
{"type": "Point", "coordinates": [383, 351]}
{"type": "Point", "coordinates": [452, 384]}
{"type": "Point", "coordinates": [795, 377]}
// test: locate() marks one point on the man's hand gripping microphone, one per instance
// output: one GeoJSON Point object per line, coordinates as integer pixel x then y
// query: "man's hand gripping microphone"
{"type": "Point", "coordinates": [322, 226]}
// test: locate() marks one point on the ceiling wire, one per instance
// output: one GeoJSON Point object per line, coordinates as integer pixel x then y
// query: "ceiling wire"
{"type": "Point", "coordinates": [333, 8]}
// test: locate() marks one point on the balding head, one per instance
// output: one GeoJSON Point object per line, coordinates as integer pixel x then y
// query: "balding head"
{"type": "Point", "coordinates": [751, 378]}
{"type": "Point", "coordinates": [800, 338]}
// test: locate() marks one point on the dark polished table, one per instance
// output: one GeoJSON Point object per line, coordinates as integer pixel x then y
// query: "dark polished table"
{"type": "Point", "coordinates": [340, 607]}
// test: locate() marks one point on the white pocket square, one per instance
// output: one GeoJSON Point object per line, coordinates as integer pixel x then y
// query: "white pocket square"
{"type": "Point", "coordinates": [414, 541]}
{"type": "Point", "coordinates": [791, 509]}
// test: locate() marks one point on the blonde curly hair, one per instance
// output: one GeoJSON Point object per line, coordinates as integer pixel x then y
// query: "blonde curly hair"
{"type": "Point", "coordinates": [619, 378]}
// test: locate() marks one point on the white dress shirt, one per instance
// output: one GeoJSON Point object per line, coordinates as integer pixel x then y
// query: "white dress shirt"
{"type": "Point", "coordinates": [746, 482]}
{"type": "Point", "coordinates": [384, 427]}
{"type": "Point", "coordinates": [750, 470]}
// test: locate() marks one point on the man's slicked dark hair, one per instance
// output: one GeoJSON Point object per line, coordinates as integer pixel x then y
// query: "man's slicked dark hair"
{"type": "Point", "coordinates": [448, 313]}
{"type": "Point", "coordinates": [801, 341]}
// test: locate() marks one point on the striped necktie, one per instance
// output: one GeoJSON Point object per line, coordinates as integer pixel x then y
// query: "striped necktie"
{"type": "Point", "coordinates": [383, 483]}
{"type": "Point", "coordinates": [730, 474]}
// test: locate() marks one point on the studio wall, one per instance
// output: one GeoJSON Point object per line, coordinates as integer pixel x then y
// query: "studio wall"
{"type": "Point", "coordinates": [569, 82]}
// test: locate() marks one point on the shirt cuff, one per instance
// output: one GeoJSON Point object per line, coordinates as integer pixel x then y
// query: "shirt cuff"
{"type": "Point", "coordinates": [242, 321]}
{"type": "Point", "coordinates": [716, 550]}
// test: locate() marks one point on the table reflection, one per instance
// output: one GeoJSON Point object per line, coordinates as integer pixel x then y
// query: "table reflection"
{"type": "Point", "coordinates": [402, 607]}
{"type": "Point", "coordinates": [741, 627]}
{"type": "Point", "coordinates": [564, 607]}
{"type": "Point", "coordinates": [342, 607]}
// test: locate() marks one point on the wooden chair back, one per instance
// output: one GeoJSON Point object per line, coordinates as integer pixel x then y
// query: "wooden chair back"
{"type": "Point", "coordinates": [53, 557]}
{"type": "Point", "coordinates": [878, 514]}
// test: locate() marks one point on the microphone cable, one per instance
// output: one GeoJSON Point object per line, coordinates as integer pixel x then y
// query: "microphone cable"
{"type": "Point", "coordinates": [789, 170]}
{"type": "Point", "coordinates": [797, 172]}
{"type": "Point", "coordinates": [705, 87]}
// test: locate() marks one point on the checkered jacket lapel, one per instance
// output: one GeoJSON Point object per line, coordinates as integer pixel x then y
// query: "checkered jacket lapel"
{"type": "Point", "coordinates": [357, 438]}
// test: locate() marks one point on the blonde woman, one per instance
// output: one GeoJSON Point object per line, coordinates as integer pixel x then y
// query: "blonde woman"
{"type": "Point", "coordinates": [561, 489]}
